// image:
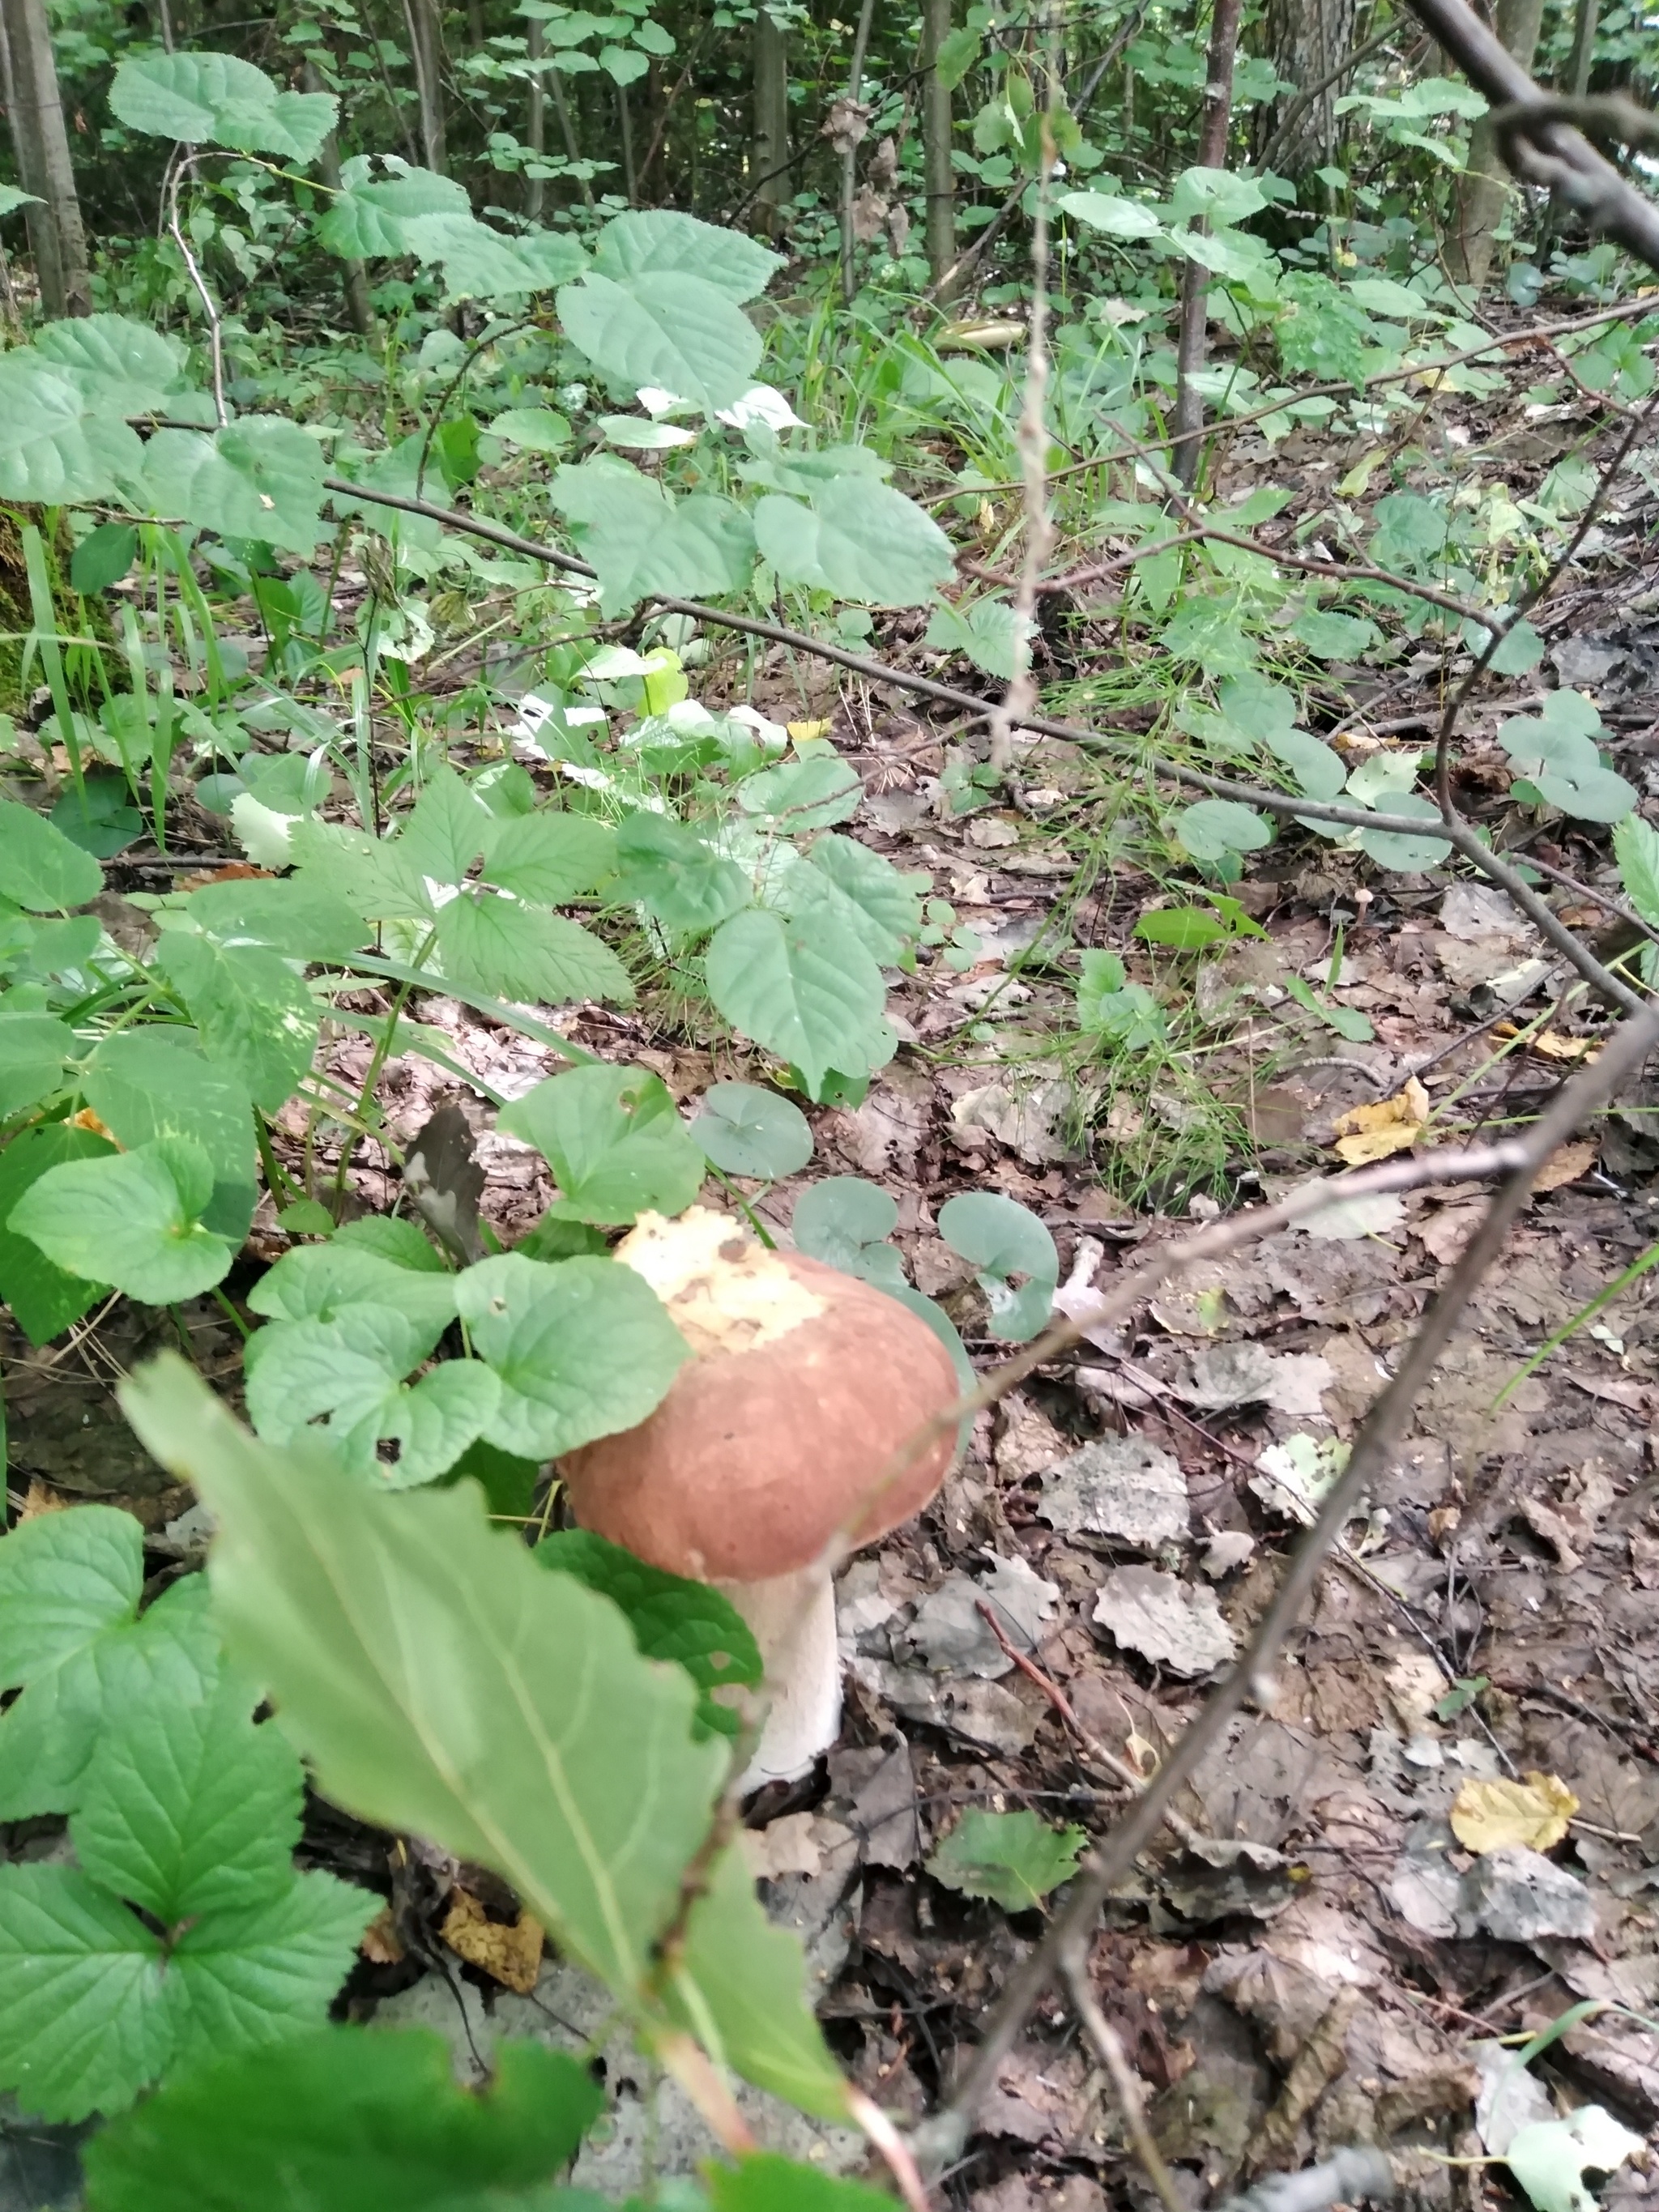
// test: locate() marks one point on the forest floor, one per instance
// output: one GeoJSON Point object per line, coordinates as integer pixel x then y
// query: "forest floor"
{"type": "Point", "coordinates": [1318, 1957]}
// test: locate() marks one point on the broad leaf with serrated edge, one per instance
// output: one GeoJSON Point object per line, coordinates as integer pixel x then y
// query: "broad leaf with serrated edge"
{"type": "Point", "coordinates": [547, 859]}
{"type": "Point", "coordinates": [44, 1297]}
{"type": "Point", "coordinates": [862, 891]}
{"type": "Point", "coordinates": [666, 328]}
{"type": "Point", "coordinates": [657, 242]}
{"type": "Point", "coordinates": [318, 1282]}
{"type": "Point", "coordinates": [55, 445]}
{"type": "Point", "coordinates": [128, 367]}
{"type": "Point", "coordinates": [219, 100]}
{"type": "Point", "coordinates": [644, 542]}
{"type": "Point", "coordinates": [1013, 1858]}
{"type": "Point", "coordinates": [34, 1048]}
{"type": "Point", "coordinates": [810, 993]}
{"type": "Point", "coordinates": [252, 1013]}
{"type": "Point", "coordinates": [442, 1684]}
{"type": "Point", "coordinates": [524, 953]}
{"type": "Point", "coordinates": [671, 1618]}
{"type": "Point", "coordinates": [261, 477]}
{"type": "Point", "coordinates": [149, 1083]}
{"type": "Point", "coordinates": [39, 868]}
{"type": "Point", "coordinates": [665, 866]}
{"type": "Point", "coordinates": [132, 1219]}
{"type": "Point", "coordinates": [581, 1347]}
{"type": "Point", "coordinates": [614, 1141]}
{"type": "Point", "coordinates": [860, 540]}
{"type": "Point", "coordinates": [379, 195]}
{"type": "Point", "coordinates": [353, 2118]}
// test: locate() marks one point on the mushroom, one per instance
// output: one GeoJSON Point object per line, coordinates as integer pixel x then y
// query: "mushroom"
{"type": "Point", "coordinates": [764, 1463]}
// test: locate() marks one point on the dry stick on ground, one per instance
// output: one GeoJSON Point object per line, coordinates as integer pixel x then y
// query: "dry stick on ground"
{"type": "Point", "coordinates": [878, 671]}
{"type": "Point", "coordinates": [1125, 2083]}
{"type": "Point", "coordinates": [939, 2139]}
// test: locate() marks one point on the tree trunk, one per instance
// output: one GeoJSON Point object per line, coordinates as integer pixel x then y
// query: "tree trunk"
{"type": "Point", "coordinates": [769, 164]}
{"type": "Point", "coordinates": [56, 235]}
{"type": "Point", "coordinates": [849, 159]}
{"type": "Point", "coordinates": [426, 50]}
{"type": "Point", "coordinates": [1584, 22]}
{"type": "Point", "coordinates": [625, 131]}
{"type": "Point", "coordinates": [1307, 40]}
{"type": "Point", "coordinates": [939, 178]}
{"type": "Point", "coordinates": [1483, 190]}
{"type": "Point", "coordinates": [1213, 123]}
{"type": "Point", "coordinates": [535, 128]}
{"type": "Point", "coordinates": [353, 277]}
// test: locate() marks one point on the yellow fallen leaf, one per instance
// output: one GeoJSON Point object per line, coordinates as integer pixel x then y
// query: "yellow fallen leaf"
{"type": "Point", "coordinates": [511, 1955]}
{"type": "Point", "coordinates": [1392, 1125]}
{"type": "Point", "coordinates": [1567, 1164]}
{"type": "Point", "coordinates": [1531, 1815]}
{"type": "Point", "coordinates": [1550, 1044]}
{"type": "Point", "coordinates": [804, 732]}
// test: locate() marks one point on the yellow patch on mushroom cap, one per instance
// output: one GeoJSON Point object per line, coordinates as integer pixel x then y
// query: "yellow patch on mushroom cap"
{"type": "Point", "coordinates": [725, 1292]}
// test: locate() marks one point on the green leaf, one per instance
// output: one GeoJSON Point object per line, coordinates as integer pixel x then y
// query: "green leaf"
{"type": "Point", "coordinates": [1392, 849]}
{"type": "Point", "coordinates": [1333, 637]}
{"type": "Point", "coordinates": [988, 632]}
{"type": "Point", "coordinates": [191, 1809]}
{"type": "Point", "coordinates": [1552, 751]}
{"type": "Point", "coordinates": [671, 1618]}
{"type": "Point", "coordinates": [643, 541]}
{"type": "Point", "coordinates": [1346, 1021]}
{"type": "Point", "coordinates": [355, 2120]}
{"type": "Point", "coordinates": [1001, 1239]}
{"type": "Point", "coordinates": [746, 1131]}
{"type": "Point", "coordinates": [215, 99]}
{"type": "Point", "coordinates": [380, 194]}
{"type": "Point", "coordinates": [665, 866]}
{"type": "Point", "coordinates": [1220, 196]}
{"type": "Point", "coordinates": [44, 1298]}
{"type": "Point", "coordinates": [94, 1659]}
{"type": "Point", "coordinates": [56, 444]}
{"type": "Point", "coordinates": [959, 52]}
{"type": "Point", "coordinates": [1013, 1858]}
{"type": "Point", "coordinates": [806, 794]}
{"type": "Point", "coordinates": [103, 557]}
{"type": "Point", "coordinates": [860, 889]}
{"type": "Point", "coordinates": [41, 869]}
{"type": "Point", "coordinates": [252, 1013]}
{"type": "Point", "coordinates": [64, 1578]}
{"type": "Point", "coordinates": [1550, 2157]}
{"type": "Point", "coordinates": [150, 1083]}
{"type": "Point", "coordinates": [582, 1348]}
{"type": "Point", "coordinates": [261, 477]}
{"type": "Point", "coordinates": [300, 917]}
{"type": "Point", "coordinates": [1216, 827]}
{"type": "Point", "coordinates": [440, 1683]}
{"type": "Point", "coordinates": [128, 367]}
{"type": "Point", "coordinates": [256, 1976]}
{"type": "Point", "coordinates": [1636, 849]}
{"type": "Point", "coordinates": [132, 1219]}
{"type": "Point", "coordinates": [614, 1141]}
{"type": "Point", "coordinates": [664, 327]}
{"type": "Point", "coordinates": [658, 242]}
{"type": "Point", "coordinates": [767, 2182]}
{"type": "Point", "coordinates": [522, 953]}
{"type": "Point", "coordinates": [320, 1282]}
{"type": "Point", "coordinates": [392, 1238]}
{"type": "Point", "coordinates": [860, 540]}
{"type": "Point", "coordinates": [1183, 929]}
{"type": "Point", "coordinates": [87, 2023]}
{"type": "Point", "coordinates": [1117, 217]}
{"type": "Point", "coordinates": [537, 429]}
{"type": "Point", "coordinates": [348, 1370]}
{"type": "Point", "coordinates": [846, 1222]}
{"type": "Point", "coordinates": [34, 1048]}
{"type": "Point", "coordinates": [811, 994]}
{"type": "Point", "coordinates": [479, 262]}
{"type": "Point", "coordinates": [548, 858]}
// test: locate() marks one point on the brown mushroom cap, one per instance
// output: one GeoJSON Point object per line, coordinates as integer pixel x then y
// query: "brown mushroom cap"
{"type": "Point", "coordinates": [773, 1437]}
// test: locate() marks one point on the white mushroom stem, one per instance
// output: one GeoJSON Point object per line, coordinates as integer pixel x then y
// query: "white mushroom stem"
{"type": "Point", "coordinates": [792, 1618]}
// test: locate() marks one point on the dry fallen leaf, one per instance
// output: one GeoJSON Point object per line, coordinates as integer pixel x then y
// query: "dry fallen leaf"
{"type": "Point", "coordinates": [1567, 1164]}
{"type": "Point", "coordinates": [511, 1955]}
{"type": "Point", "coordinates": [380, 1944]}
{"type": "Point", "coordinates": [803, 732]}
{"type": "Point", "coordinates": [1551, 1044]}
{"type": "Point", "coordinates": [1531, 1815]}
{"type": "Point", "coordinates": [1392, 1125]}
{"type": "Point", "coordinates": [86, 1119]}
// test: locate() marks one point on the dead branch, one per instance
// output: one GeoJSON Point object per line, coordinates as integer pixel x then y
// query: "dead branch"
{"type": "Point", "coordinates": [940, 2138]}
{"type": "Point", "coordinates": [1350, 2177]}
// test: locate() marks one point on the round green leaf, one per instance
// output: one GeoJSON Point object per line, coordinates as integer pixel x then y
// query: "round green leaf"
{"type": "Point", "coordinates": [845, 1222]}
{"type": "Point", "coordinates": [1012, 1254]}
{"type": "Point", "coordinates": [131, 1219]}
{"type": "Point", "coordinates": [746, 1131]}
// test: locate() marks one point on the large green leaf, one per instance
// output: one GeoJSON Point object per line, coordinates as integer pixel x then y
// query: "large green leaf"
{"type": "Point", "coordinates": [380, 195]}
{"type": "Point", "coordinates": [351, 1369]}
{"type": "Point", "coordinates": [582, 1348]}
{"type": "Point", "coordinates": [33, 1046]}
{"type": "Point", "coordinates": [126, 366]}
{"type": "Point", "coordinates": [810, 992]}
{"type": "Point", "coordinates": [215, 99]}
{"type": "Point", "coordinates": [252, 1013]}
{"type": "Point", "coordinates": [644, 542]}
{"type": "Point", "coordinates": [320, 1282]}
{"type": "Point", "coordinates": [858, 539]}
{"type": "Point", "coordinates": [56, 444]}
{"type": "Point", "coordinates": [1013, 1858]}
{"type": "Point", "coordinates": [130, 1219]}
{"type": "Point", "coordinates": [303, 918]}
{"type": "Point", "coordinates": [348, 2119]}
{"type": "Point", "coordinates": [41, 869]}
{"type": "Point", "coordinates": [614, 1141]}
{"type": "Point", "coordinates": [149, 1083]}
{"type": "Point", "coordinates": [86, 2024]}
{"type": "Point", "coordinates": [744, 1130]}
{"type": "Point", "coordinates": [664, 327]}
{"type": "Point", "coordinates": [665, 866]}
{"type": "Point", "coordinates": [261, 477]}
{"type": "Point", "coordinates": [659, 242]}
{"type": "Point", "coordinates": [479, 262]}
{"type": "Point", "coordinates": [44, 1297]}
{"type": "Point", "coordinates": [526, 954]}
{"type": "Point", "coordinates": [548, 858]}
{"type": "Point", "coordinates": [770, 2183]}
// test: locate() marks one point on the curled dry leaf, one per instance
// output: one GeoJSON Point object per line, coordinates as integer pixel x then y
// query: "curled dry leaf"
{"type": "Point", "coordinates": [1500, 1815]}
{"type": "Point", "coordinates": [1371, 1133]}
{"type": "Point", "coordinates": [1165, 1621]}
{"type": "Point", "coordinates": [509, 1954]}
